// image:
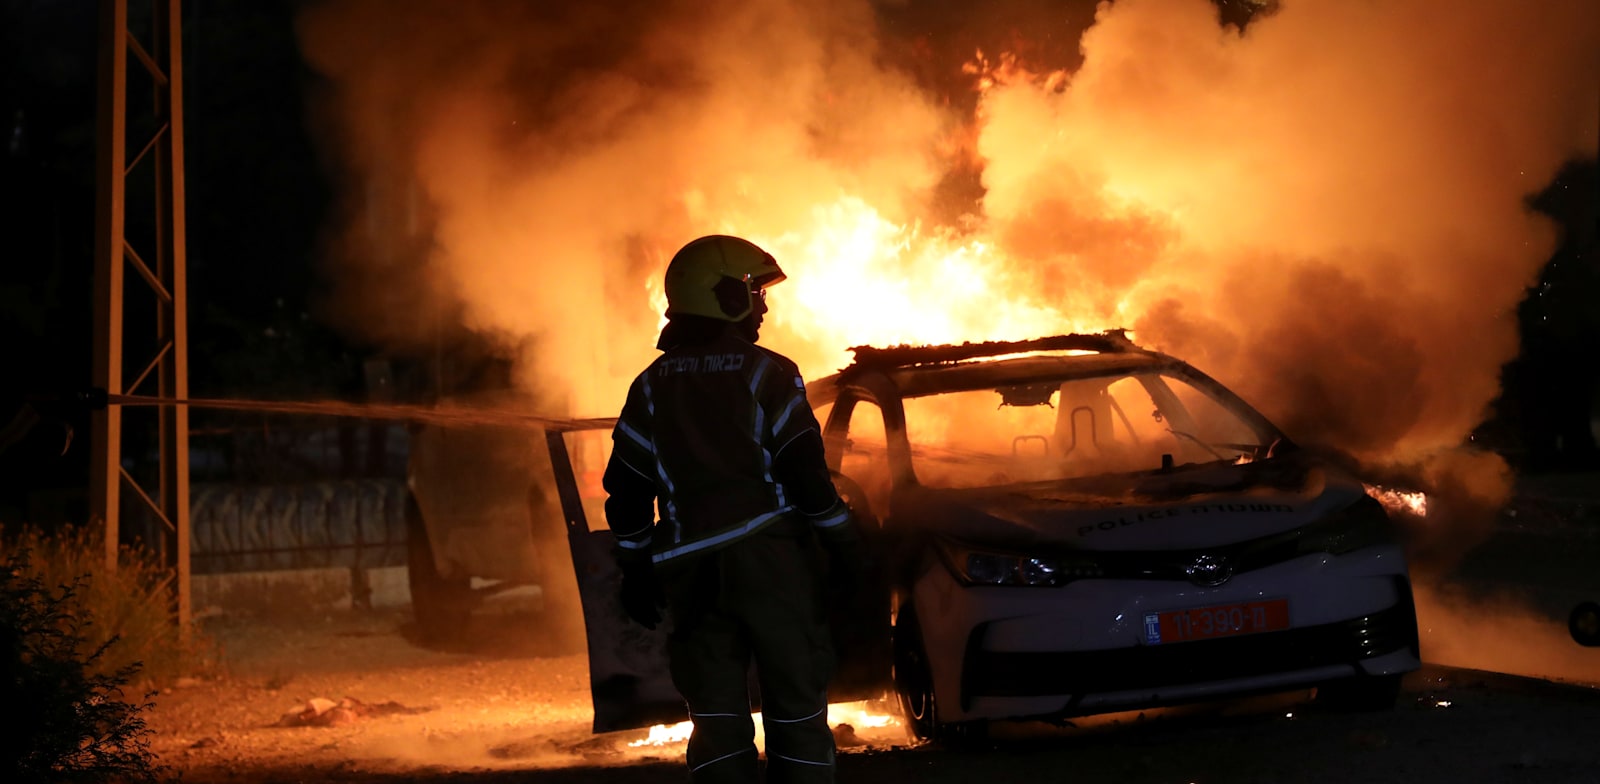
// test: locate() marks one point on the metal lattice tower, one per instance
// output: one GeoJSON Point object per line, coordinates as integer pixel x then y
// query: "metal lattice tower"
{"type": "Point", "coordinates": [161, 267]}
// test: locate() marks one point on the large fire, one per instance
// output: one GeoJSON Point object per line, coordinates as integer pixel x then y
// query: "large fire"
{"type": "Point", "coordinates": [1326, 209]}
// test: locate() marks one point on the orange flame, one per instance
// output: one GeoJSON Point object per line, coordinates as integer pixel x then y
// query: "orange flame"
{"type": "Point", "coordinates": [857, 714]}
{"type": "Point", "coordinates": [870, 281]}
{"type": "Point", "coordinates": [1400, 501]}
{"type": "Point", "coordinates": [665, 734]}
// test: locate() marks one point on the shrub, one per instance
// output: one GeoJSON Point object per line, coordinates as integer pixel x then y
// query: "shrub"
{"type": "Point", "coordinates": [69, 721]}
{"type": "Point", "coordinates": [130, 605]}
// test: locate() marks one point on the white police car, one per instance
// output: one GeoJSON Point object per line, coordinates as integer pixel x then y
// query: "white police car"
{"type": "Point", "coordinates": [1076, 525]}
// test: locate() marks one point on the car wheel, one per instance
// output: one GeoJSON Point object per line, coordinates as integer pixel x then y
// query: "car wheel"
{"type": "Point", "coordinates": [441, 605]}
{"type": "Point", "coordinates": [1360, 694]}
{"type": "Point", "coordinates": [913, 680]}
{"type": "Point", "coordinates": [1584, 624]}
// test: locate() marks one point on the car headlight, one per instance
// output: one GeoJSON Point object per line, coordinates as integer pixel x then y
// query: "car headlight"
{"type": "Point", "coordinates": [1361, 524]}
{"type": "Point", "coordinates": [986, 567]}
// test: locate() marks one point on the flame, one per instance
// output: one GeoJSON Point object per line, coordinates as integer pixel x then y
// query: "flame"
{"type": "Point", "coordinates": [1400, 501]}
{"type": "Point", "coordinates": [664, 734]}
{"type": "Point", "coordinates": [870, 281]}
{"type": "Point", "coordinates": [859, 278]}
{"type": "Point", "coordinates": [857, 714]}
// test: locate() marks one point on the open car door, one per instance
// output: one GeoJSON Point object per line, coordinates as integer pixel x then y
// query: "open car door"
{"type": "Point", "coordinates": [628, 676]}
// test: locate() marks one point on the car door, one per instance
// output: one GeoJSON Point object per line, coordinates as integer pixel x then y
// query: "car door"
{"type": "Point", "coordinates": [628, 677]}
{"type": "Point", "coordinates": [861, 624]}
{"type": "Point", "coordinates": [629, 682]}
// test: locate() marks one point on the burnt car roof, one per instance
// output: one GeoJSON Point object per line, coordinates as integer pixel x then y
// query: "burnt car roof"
{"type": "Point", "coordinates": [925, 370]}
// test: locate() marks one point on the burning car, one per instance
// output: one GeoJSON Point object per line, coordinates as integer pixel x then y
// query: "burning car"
{"type": "Point", "coordinates": [1067, 526]}
{"type": "Point", "coordinates": [1077, 525]}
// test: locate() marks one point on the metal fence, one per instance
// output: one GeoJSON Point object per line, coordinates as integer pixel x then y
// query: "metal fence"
{"type": "Point", "coordinates": [357, 523]}
{"type": "Point", "coordinates": [280, 492]}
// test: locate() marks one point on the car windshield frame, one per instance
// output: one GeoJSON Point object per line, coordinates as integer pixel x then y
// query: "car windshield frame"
{"type": "Point", "coordinates": [889, 388]}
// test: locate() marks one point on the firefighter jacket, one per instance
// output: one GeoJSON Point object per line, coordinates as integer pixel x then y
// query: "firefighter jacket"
{"type": "Point", "coordinates": [718, 433]}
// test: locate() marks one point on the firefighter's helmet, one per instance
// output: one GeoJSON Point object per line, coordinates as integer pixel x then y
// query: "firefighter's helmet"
{"type": "Point", "coordinates": [718, 276]}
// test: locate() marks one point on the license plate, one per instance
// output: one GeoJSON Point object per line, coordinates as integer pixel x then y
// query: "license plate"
{"type": "Point", "coordinates": [1223, 620]}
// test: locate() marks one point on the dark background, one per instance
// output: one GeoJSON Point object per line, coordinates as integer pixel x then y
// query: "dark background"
{"type": "Point", "coordinates": [259, 200]}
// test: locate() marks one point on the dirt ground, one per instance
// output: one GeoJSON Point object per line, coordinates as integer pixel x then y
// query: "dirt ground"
{"type": "Point", "coordinates": [515, 708]}
{"type": "Point", "coordinates": [515, 700]}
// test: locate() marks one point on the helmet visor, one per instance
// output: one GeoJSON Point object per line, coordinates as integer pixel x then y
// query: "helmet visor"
{"type": "Point", "coordinates": [760, 282]}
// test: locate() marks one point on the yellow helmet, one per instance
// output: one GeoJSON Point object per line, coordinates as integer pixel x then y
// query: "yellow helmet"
{"type": "Point", "coordinates": [715, 276]}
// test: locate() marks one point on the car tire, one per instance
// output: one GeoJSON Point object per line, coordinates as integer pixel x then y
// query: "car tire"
{"type": "Point", "coordinates": [913, 680]}
{"type": "Point", "coordinates": [1584, 624]}
{"type": "Point", "coordinates": [441, 606]}
{"type": "Point", "coordinates": [1361, 694]}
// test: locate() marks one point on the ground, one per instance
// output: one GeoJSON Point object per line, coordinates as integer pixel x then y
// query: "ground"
{"type": "Point", "coordinates": [515, 708]}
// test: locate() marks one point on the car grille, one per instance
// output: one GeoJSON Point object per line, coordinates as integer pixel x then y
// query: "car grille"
{"type": "Point", "coordinates": [1171, 564]}
{"type": "Point", "coordinates": [1010, 674]}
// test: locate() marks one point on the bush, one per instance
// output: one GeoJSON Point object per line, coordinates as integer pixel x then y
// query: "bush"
{"type": "Point", "coordinates": [69, 722]}
{"type": "Point", "coordinates": [130, 606]}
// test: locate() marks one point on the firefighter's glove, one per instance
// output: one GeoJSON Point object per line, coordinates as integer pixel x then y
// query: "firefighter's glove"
{"type": "Point", "coordinates": [642, 598]}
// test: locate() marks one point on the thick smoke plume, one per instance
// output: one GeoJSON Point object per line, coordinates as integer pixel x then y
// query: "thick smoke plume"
{"type": "Point", "coordinates": [564, 151]}
{"type": "Point", "coordinates": [1326, 210]}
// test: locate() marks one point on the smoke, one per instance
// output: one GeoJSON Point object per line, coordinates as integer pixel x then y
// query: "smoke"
{"type": "Point", "coordinates": [564, 151]}
{"type": "Point", "coordinates": [1325, 210]}
{"type": "Point", "coordinates": [1501, 633]}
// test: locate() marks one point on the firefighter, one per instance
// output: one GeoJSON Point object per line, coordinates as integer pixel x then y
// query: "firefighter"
{"type": "Point", "coordinates": [717, 434]}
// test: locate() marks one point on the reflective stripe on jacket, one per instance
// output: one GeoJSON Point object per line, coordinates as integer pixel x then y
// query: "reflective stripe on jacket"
{"type": "Point", "coordinates": [703, 423]}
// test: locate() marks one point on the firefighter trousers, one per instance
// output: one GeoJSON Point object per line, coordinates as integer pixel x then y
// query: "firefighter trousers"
{"type": "Point", "coordinates": [759, 599]}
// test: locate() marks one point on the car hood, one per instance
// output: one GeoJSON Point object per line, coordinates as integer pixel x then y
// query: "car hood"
{"type": "Point", "coordinates": [1187, 507]}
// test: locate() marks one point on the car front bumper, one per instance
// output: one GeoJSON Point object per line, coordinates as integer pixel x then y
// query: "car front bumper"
{"type": "Point", "coordinates": [1013, 652]}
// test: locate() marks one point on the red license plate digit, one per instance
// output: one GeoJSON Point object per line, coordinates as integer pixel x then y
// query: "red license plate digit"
{"type": "Point", "coordinates": [1223, 620]}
